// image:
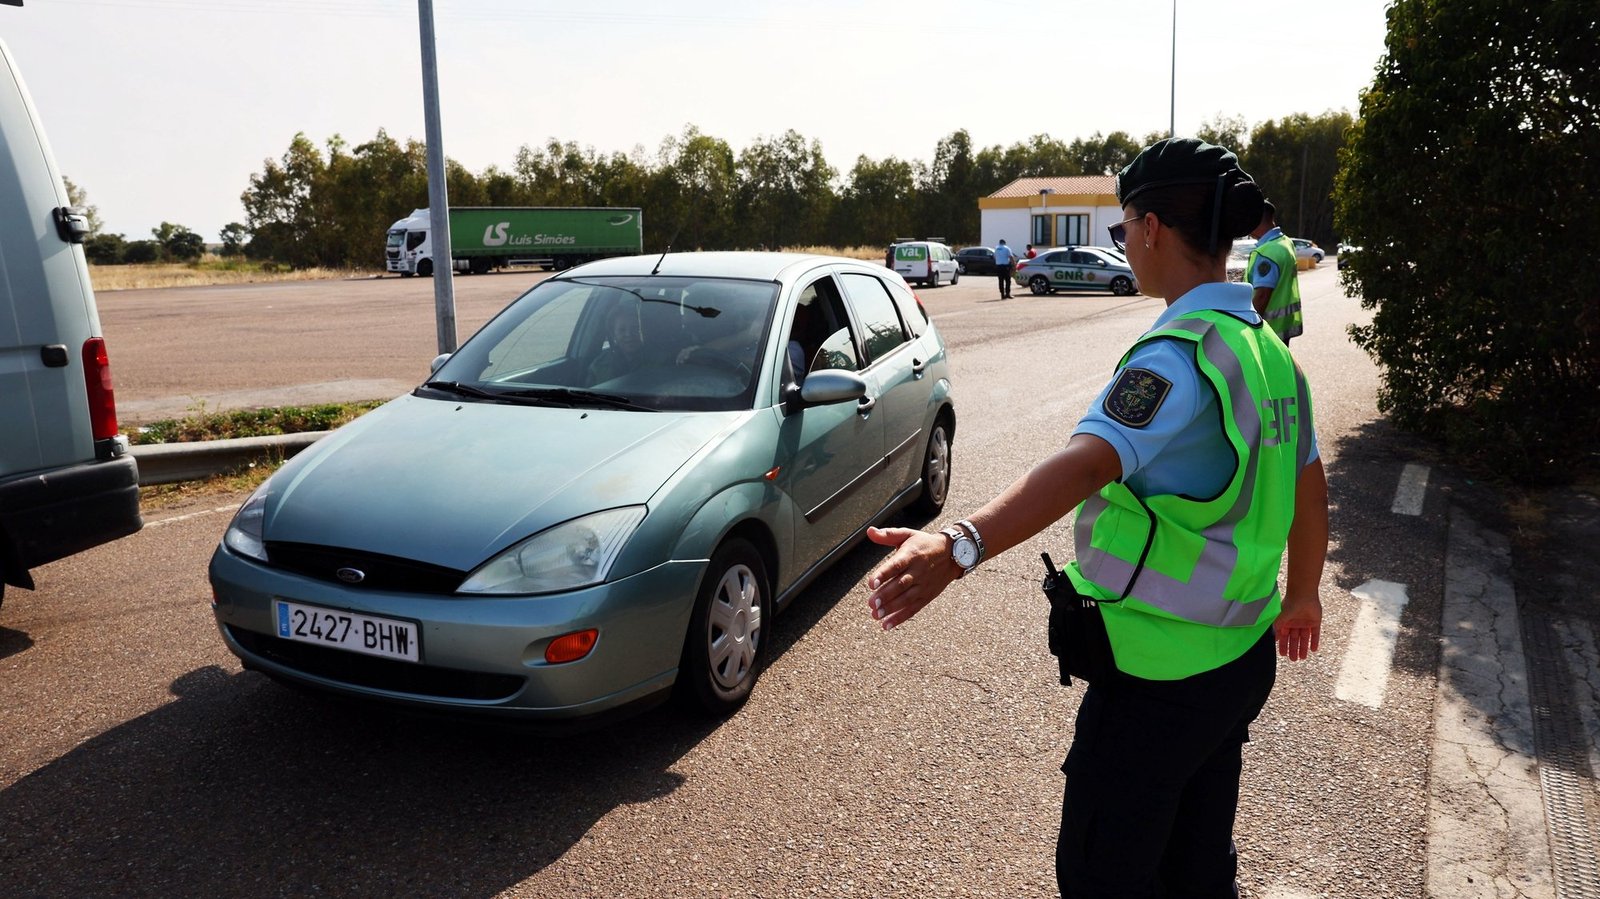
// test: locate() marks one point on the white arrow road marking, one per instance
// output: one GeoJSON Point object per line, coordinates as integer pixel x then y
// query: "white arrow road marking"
{"type": "Point", "coordinates": [1365, 671]}
{"type": "Point", "coordinates": [1413, 488]}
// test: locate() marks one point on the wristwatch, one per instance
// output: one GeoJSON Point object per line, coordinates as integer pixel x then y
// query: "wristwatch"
{"type": "Point", "coordinates": [962, 549]}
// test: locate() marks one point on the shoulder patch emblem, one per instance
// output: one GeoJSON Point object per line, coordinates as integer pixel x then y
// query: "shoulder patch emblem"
{"type": "Point", "coordinates": [1135, 397]}
{"type": "Point", "coordinates": [1264, 267]}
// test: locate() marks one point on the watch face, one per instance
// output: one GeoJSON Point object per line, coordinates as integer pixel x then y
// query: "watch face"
{"type": "Point", "coordinates": [965, 552]}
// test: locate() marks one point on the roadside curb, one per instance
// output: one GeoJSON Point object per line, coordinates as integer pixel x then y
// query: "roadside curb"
{"type": "Point", "coordinates": [168, 463]}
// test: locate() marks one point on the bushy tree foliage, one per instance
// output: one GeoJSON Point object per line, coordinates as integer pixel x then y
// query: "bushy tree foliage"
{"type": "Point", "coordinates": [1295, 160]}
{"type": "Point", "coordinates": [328, 206]}
{"type": "Point", "coordinates": [1469, 183]}
{"type": "Point", "coordinates": [105, 249]}
{"type": "Point", "coordinates": [77, 196]}
{"type": "Point", "coordinates": [178, 242]}
{"type": "Point", "coordinates": [233, 237]}
{"type": "Point", "coordinates": [142, 251]}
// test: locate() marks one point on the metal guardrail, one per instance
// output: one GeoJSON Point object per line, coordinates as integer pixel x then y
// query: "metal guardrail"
{"type": "Point", "coordinates": [168, 463]}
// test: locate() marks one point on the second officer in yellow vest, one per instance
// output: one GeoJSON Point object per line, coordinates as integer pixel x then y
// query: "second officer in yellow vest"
{"type": "Point", "coordinates": [1193, 473]}
{"type": "Point", "coordinates": [1274, 274]}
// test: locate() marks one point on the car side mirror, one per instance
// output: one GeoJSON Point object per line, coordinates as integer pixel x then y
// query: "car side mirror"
{"type": "Point", "coordinates": [437, 361]}
{"type": "Point", "coordinates": [831, 385]}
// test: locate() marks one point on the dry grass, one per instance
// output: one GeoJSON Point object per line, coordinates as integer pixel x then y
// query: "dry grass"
{"type": "Point", "coordinates": [864, 252]}
{"type": "Point", "coordinates": [177, 274]}
{"type": "Point", "coordinates": [183, 494]}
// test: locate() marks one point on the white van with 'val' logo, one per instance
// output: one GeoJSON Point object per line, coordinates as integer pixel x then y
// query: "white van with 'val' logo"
{"type": "Point", "coordinates": [67, 480]}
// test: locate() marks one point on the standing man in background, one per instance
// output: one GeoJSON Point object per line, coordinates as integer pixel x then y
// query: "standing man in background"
{"type": "Point", "coordinates": [1003, 261]}
{"type": "Point", "coordinates": [1272, 272]}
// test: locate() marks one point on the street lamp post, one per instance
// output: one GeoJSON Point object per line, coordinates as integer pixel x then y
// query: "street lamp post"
{"type": "Point", "coordinates": [444, 296]}
{"type": "Point", "coordinates": [1044, 210]}
{"type": "Point", "coordinates": [1172, 111]}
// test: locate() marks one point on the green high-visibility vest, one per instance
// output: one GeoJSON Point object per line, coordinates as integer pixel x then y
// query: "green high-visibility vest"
{"type": "Point", "coordinates": [1187, 584]}
{"type": "Point", "coordinates": [1283, 307]}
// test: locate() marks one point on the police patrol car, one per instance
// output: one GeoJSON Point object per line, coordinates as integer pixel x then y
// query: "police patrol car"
{"type": "Point", "coordinates": [1092, 268]}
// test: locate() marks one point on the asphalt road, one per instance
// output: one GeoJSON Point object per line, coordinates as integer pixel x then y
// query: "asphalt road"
{"type": "Point", "coordinates": [136, 758]}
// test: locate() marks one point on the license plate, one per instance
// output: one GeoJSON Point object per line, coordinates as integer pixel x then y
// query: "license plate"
{"type": "Point", "coordinates": [370, 635]}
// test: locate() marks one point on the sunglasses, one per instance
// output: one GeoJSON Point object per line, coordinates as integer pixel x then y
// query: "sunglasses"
{"type": "Point", "coordinates": [1119, 232]}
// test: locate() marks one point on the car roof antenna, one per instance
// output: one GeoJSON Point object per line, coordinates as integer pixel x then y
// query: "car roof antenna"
{"type": "Point", "coordinates": [670, 242]}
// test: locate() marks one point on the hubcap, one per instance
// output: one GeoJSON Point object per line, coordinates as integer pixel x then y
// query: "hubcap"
{"type": "Point", "coordinates": [735, 627]}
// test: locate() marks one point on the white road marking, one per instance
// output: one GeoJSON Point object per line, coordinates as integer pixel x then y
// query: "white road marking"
{"type": "Point", "coordinates": [1365, 671]}
{"type": "Point", "coordinates": [202, 514]}
{"type": "Point", "coordinates": [1413, 488]}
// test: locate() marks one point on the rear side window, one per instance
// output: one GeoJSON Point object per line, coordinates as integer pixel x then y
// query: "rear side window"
{"type": "Point", "coordinates": [880, 320]}
{"type": "Point", "coordinates": [911, 312]}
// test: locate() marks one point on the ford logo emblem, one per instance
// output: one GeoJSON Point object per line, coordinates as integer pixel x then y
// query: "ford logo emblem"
{"type": "Point", "coordinates": [350, 575]}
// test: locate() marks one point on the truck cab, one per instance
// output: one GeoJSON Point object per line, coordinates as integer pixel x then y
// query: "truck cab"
{"type": "Point", "coordinates": [407, 249]}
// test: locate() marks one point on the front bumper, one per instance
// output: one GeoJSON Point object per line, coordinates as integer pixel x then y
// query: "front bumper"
{"type": "Point", "coordinates": [480, 655]}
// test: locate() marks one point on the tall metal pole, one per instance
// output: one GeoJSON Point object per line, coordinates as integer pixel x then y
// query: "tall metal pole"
{"type": "Point", "coordinates": [444, 295]}
{"type": "Point", "coordinates": [1172, 113]}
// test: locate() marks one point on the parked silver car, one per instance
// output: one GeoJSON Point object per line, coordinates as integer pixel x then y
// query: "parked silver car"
{"type": "Point", "coordinates": [605, 494]}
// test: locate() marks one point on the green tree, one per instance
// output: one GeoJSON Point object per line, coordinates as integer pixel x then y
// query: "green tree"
{"type": "Point", "coordinates": [1468, 182]}
{"type": "Point", "coordinates": [142, 251]}
{"type": "Point", "coordinates": [785, 190]}
{"type": "Point", "coordinates": [1226, 131]}
{"type": "Point", "coordinates": [105, 249]}
{"type": "Point", "coordinates": [77, 196]}
{"type": "Point", "coordinates": [877, 204]}
{"type": "Point", "coordinates": [1295, 160]}
{"type": "Point", "coordinates": [178, 242]}
{"type": "Point", "coordinates": [233, 237]}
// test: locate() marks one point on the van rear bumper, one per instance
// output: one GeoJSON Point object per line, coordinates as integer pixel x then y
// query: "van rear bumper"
{"type": "Point", "coordinates": [48, 515]}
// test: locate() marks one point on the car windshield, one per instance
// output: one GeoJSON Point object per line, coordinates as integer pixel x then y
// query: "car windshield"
{"type": "Point", "coordinates": [652, 342]}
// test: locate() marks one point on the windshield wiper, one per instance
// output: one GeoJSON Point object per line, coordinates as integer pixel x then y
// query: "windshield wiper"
{"type": "Point", "coordinates": [576, 395]}
{"type": "Point", "coordinates": [505, 396]}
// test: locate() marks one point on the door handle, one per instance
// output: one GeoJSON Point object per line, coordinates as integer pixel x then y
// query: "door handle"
{"type": "Point", "coordinates": [865, 406]}
{"type": "Point", "coordinates": [918, 368]}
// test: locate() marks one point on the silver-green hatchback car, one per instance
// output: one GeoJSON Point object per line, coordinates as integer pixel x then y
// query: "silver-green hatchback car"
{"type": "Point", "coordinates": [603, 496]}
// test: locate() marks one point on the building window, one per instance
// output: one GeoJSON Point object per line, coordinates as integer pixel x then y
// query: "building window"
{"type": "Point", "coordinates": [1074, 229]}
{"type": "Point", "coordinates": [1041, 231]}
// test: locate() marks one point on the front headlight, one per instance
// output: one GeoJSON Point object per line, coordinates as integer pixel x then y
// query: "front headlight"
{"type": "Point", "coordinates": [574, 554]}
{"type": "Point", "coordinates": [244, 532]}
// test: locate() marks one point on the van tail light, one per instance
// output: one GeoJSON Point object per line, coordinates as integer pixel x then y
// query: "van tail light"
{"type": "Point", "coordinates": [97, 378]}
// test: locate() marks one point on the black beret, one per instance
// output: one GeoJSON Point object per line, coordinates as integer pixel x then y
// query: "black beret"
{"type": "Point", "coordinates": [1178, 160]}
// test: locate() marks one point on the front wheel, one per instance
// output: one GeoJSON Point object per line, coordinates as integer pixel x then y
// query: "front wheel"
{"type": "Point", "coordinates": [425, 268]}
{"type": "Point", "coordinates": [1039, 285]}
{"type": "Point", "coordinates": [727, 642]}
{"type": "Point", "coordinates": [954, 277]}
{"type": "Point", "coordinates": [1122, 286]}
{"type": "Point", "coordinates": [935, 471]}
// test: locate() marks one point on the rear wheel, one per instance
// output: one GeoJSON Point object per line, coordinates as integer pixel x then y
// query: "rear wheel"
{"type": "Point", "coordinates": [727, 642]}
{"type": "Point", "coordinates": [933, 277]}
{"type": "Point", "coordinates": [1039, 285]}
{"type": "Point", "coordinates": [1122, 286]}
{"type": "Point", "coordinates": [935, 471]}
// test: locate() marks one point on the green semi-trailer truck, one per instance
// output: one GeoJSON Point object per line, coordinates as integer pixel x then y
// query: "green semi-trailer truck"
{"type": "Point", "coordinates": [490, 237]}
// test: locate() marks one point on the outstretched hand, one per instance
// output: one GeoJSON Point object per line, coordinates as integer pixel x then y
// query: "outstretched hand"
{"type": "Point", "coordinates": [1299, 627]}
{"type": "Point", "coordinates": [914, 574]}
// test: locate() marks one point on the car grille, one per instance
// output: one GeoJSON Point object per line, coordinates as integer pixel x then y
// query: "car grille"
{"type": "Point", "coordinates": [380, 572]}
{"type": "Point", "coordinates": [379, 674]}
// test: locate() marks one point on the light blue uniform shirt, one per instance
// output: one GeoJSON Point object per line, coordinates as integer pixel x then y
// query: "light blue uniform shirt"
{"type": "Point", "coordinates": [1183, 449]}
{"type": "Point", "coordinates": [1265, 273]}
{"type": "Point", "coordinates": [1002, 255]}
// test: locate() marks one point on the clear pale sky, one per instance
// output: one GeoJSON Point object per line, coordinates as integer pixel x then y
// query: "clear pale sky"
{"type": "Point", "coordinates": [162, 109]}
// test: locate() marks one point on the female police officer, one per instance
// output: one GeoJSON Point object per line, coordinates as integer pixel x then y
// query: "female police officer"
{"type": "Point", "coordinates": [1196, 468]}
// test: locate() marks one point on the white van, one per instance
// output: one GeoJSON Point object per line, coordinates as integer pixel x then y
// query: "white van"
{"type": "Point", "coordinates": [67, 480]}
{"type": "Point", "coordinates": [926, 262]}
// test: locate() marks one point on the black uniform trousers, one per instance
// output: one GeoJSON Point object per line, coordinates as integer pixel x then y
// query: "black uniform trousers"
{"type": "Point", "coordinates": [1153, 782]}
{"type": "Point", "coordinates": [1004, 271]}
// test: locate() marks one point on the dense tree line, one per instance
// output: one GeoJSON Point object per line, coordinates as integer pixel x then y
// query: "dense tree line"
{"type": "Point", "coordinates": [1469, 183]}
{"type": "Point", "coordinates": [329, 206]}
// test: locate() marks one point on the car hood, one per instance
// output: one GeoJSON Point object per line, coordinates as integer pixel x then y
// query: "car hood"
{"type": "Point", "coordinates": [452, 484]}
